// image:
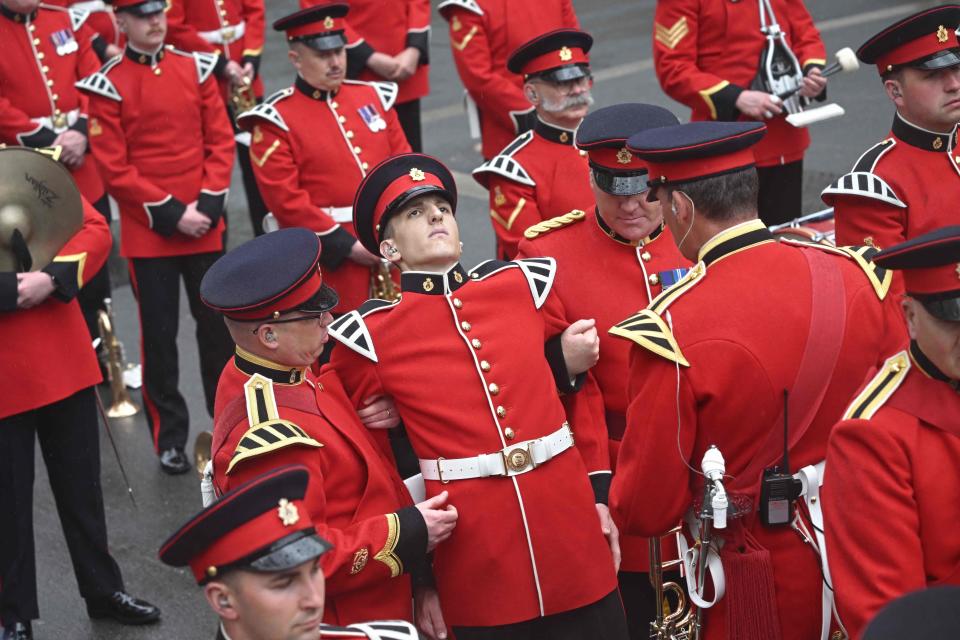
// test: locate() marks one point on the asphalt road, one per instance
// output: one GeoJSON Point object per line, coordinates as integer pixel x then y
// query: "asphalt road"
{"type": "Point", "coordinates": [623, 69]}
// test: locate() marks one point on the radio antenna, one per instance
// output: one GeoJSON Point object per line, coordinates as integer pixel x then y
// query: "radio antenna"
{"type": "Point", "coordinates": [786, 430]}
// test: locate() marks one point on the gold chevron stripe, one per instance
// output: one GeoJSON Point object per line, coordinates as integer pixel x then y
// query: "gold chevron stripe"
{"type": "Point", "coordinates": [508, 222]}
{"type": "Point", "coordinates": [460, 46]}
{"type": "Point", "coordinates": [671, 37]}
{"type": "Point", "coordinates": [266, 154]}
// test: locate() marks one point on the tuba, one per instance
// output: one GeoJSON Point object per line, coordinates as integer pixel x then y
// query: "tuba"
{"type": "Point", "coordinates": [121, 406]}
{"type": "Point", "coordinates": [382, 285]}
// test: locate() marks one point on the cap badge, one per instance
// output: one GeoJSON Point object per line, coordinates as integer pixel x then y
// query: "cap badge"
{"type": "Point", "coordinates": [624, 156]}
{"type": "Point", "coordinates": [566, 55]}
{"type": "Point", "coordinates": [328, 23]}
{"type": "Point", "coordinates": [417, 175]}
{"type": "Point", "coordinates": [942, 34]}
{"type": "Point", "coordinates": [428, 285]}
{"type": "Point", "coordinates": [287, 512]}
{"type": "Point", "coordinates": [937, 143]}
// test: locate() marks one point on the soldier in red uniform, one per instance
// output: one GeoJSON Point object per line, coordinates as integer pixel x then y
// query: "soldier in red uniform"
{"type": "Point", "coordinates": [716, 353]}
{"type": "Point", "coordinates": [612, 260]}
{"type": "Point", "coordinates": [707, 53]}
{"type": "Point", "coordinates": [892, 489]}
{"type": "Point", "coordinates": [234, 30]}
{"type": "Point", "coordinates": [462, 355]}
{"type": "Point", "coordinates": [100, 24]}
{"type": "Point", "coordinates": [314, 142]}
{"type": "Point", "coordinates": [483, 33]}
{"type": "Point", "coordinates": [541, 174]}
{"type": "Point", "coordinates": [255, 554]}
{"type": "Point", "coordinates": [170, 183]}
{"type": "Point", "coordinates": [273, 410]}
{"type": "Point", "coordinates": [55, 404]}
{"type": "Point", "coordinates": [46, 50]}
{"type": "Point", "coordinates": [906, 185]}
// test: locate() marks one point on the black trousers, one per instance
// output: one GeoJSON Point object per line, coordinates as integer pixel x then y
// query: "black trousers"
{"type": "Point", "coordinates": [156, 284]}
{"type": "Point", "coordinates": [90, 298]}
{"type": "Point", "coordinates": [70, 444]}
{"type": "Point", "coordinates": [781, 192]}
{"type": "Point", "coordinates": [602, 620]}
{"type": "Point", "coordinates": [255, 205]}
{"type": "Point", "coordinates": [408, 113]}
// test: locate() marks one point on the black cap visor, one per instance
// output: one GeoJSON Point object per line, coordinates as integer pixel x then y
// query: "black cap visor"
{"type": "Point", "coordinates": [408, 196]}
{"type": "Point", "coordinates": [620, 183]}
{"type": "Point", "coordinates": [324, 41]}
{"type": "Point", "coordinates": [939, 60]}
{"type": "Point", "coordinates": [567, 73]}
{"type": "Point", "coordinates": [941, 306]}
{"type": "Point", "coordinates": [290, 552]}
{"type": "Point", "coordinates": [145, 9]}
{"type": "Point", "coordinates": [325, 299]}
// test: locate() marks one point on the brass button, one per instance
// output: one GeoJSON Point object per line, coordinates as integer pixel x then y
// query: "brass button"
{"type": "Point", "coordinates": [654, 279]}
{"type": "Point", "coordinates": [458, 303]}
{"type": "Point", "coordinates": [32, 27]}
{"type": "Point", "coordinates": [211, 572]}
{"type": "Point", "coordinates": [465, 325]}
{"type": "Point", "coordinates": [55, 97]}
{"type": "Point", "coordinates": [45, 69]}
{"type": "Point", "coordinates": [583, 154]}
{"type": "Point", "coordinates": [157, 71]}
{"type": "Point", "coordinates": [365, 166]}
{"type": "Point", "coordinates": [957, 159]}
{"type": "Point", "coordinates": [36, 41]}
{"type": "Point", "coordinates": [645, 256]}
{"type": "Point", "coordinates": [494, 388]}
{"type": "Point", "coordinates": [334, 104]}
{"type": "Point", "coordinates": [509, 434]}
{"type": "Point", "coordinates": [341, 119]}
{"type": "Point", "coordinates": [501, 412]}
{"type": "Point", "coordinates": [349, 135]}
{"type": "Point", "coordinates": [356, 149]}
{"type": "Point", "coordinates": [484, 365]}
{"type": "Point", "coordinates": [41, 56]}
{"type": "Point", "coordinates": [476, 344]}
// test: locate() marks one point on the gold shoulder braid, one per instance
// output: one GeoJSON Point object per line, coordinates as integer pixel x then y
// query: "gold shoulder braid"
{"type": "Point", "coordinates": [554, 223]}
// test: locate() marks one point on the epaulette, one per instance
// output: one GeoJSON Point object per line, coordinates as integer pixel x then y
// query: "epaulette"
{"type": "Point", "coordinates": [879, 278]}
{"type": "Point", "coordinates": [99, 83]}
{"type": "Point", "coordinates": [880, 388]}
{"type": "Point", "coordinates": [469, 5]}
{"type": "Point", "coordinates": [381, 630]}
{"type": "Point", "coordinates": [206, 63]}
{"type": "Point", "coordinates": [267, 111]}
{"type": "Point", "coordinates": [351, 330]}
{"type": "Point", "coordinates": [546, 226]}
{"type": "Point", "coordinates": [868, 161]}
{"type": "Point", "coordinates": [865, 185]}
{"type": "Point", "coordinates": [77, 18]}
{"type": "Point", "coordinates": [648, 330]}
{"type": "Point", "coordinates": [267, 431]}
{"type": "Point", "coordinates": [539, 273]}
{"type": "Point", "coordinates": [386, 91]}
{"type": "Point", "coordinates": [506, 165]}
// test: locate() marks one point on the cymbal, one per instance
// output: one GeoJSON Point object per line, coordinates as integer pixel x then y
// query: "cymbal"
{"type": "Point", "coordinates": [38, 198]}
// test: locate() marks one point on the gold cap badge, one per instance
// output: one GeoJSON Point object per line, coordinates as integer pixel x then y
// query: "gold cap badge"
{"type": "Point", "coordinates": [328, 23]}
{"type": "Point", "coordinates": [624, 156]}
{"type": "Point", "coordinates": [417, 175]}
{"type": "Point", "coordinates": [565, 54]}
{"type": "Point", "coordinates": [287, 512]}
{"type": "Point", "coordinates": [942, 34]}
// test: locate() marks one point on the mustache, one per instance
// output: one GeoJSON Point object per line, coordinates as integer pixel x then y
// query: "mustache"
{"type": "Point", "coordinates": [585, 99]}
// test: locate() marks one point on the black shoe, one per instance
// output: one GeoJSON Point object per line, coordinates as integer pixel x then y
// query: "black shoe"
{"type": "Point", "coordinates": [174, 461]}
{"type": "Point", "coordinates": [123, 608]}
{"type": "Point", "coordinates": [18, 631]}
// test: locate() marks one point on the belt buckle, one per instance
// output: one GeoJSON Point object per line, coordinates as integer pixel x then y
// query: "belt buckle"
{"type": "Point", "coordinates": [227, 33]}
{"type": "Point", "coordinates": [518, 459]}
{"type": "Point", "coordinates": [440, 471]}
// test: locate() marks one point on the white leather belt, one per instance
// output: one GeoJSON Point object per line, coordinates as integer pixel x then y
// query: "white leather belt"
{"type": "Point", "coordinates": [513, 460]}
{"type": "Point", "coordinates": [61, 124]}
{"type": "Point", "coordinates": [340, 214]}
{"type": "Point", "coordinates": [90, 5]}
{"type": "Point", "coordinates": [228, 34]}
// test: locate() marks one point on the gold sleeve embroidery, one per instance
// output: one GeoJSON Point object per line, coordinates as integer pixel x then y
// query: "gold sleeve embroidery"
{"type": "Point", "coordinates": [509, 220]}
{"type": "Point", "coordinates": [80, 259]}
{"type": "Point", "coordinates": [671, 37]}
{"type": "Point", "coordinates": [460, 46]}
{"type": "Point", "coordinates": [707, 95]}
{"type": "Point", "coordinates": [386, 555]}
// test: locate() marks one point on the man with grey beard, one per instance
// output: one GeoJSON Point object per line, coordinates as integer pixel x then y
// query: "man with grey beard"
{"type": "Point", "coordinates": [541, 175]}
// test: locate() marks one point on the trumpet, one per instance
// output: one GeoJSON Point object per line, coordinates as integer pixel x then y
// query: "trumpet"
{"type": "Point", "coordinates": [241, 97]}
{"type": "Point", "coordinates": [382, 285]}
{"type": "Point", "coordinates": [121, 406]}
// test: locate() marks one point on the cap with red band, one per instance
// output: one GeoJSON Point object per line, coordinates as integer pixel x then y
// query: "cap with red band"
{"type": "Point", "coordinates": [925, 40]}
{"type": "Point", "coordinates": [262, 525]}
{"type": "Point", "coordinates": [559, 55]}
{"type": "Point", "coordinates": [320, 26]}
{"type": "Point", "coordinates": [393, 183]}
{"type": "Point", "coordinates": [931, 269]}
{"type": "Point", "coordinates": [268, 276]}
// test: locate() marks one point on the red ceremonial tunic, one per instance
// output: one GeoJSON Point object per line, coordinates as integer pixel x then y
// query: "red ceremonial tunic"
{"type": "Point", "coordinates": [891, 496]}
{"type": "Point", "coordinates": [463, 357]}
{"type": "Point", "coordinates": [707, 51]}
{"type": "Point", "coordinates": [43, 56]}
{"type": "Point", "coordinates": [355, 497]}
{"type": "Point", "coordinates": [483, 34]}
{"type": "Point", "coordinates": [162, 139]}
{"type": "Point", "coordinates": [740, 322]}
{"type": "Point", "coordinates": [538, 176]}
{"type": "Point", "coordinates": [97, 15]}
{"type": "Point", "coordinates": [604, 276]}
{"type": "Point", "coordinates": [54, 331]}
{"type": "Point", "coordinates": [310, 150]}
{"type": "Point", "coordinates": [232, 28]}
{"type": "Point", "coordinates": [902, 187]}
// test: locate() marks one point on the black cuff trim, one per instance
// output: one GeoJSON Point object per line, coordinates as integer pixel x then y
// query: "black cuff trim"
{"type": "Point", "coordinates": [165, 215]}
{"type": "Point", "coordinates": [421, 575]}
{"type": "Point", "coordinates": [255, 61]}
{"type": "Point", "coordinates": [412, 542]}
{"type": "Point", "coordinates": [212, 205]}
{"type": "Point", "coordinates": [43, 137]}
{"type": "Point", "coordinates": [8, 291]}
{"type": "Point", "coordinates": [601, 486]}
{"type": "Point", "coordinates": [420, 40]}
{"type": "Point", "coordinates": [99, 45]}
{"type": "Point", "coordinates": [335, 247]}
{"type": "Point", "coordinates": [65, 278]}
{"type": "Point", "coordinates": [80, 126]}
{"type": "Point", "coordinates": [357, 57]}
{"type": "Point", "coordinates": [822, 96]}
{"type": "Point", "coordinates": [725, 102]}
{"type": "Point", "coordinates": [553, 351]}
{"type": "Point", "coordinates": [220, 66]}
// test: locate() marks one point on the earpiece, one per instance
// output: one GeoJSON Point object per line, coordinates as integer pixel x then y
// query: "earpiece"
{"type": "Point", "coordinates": [393, 251]}
{"type": "Point", "coordinates": [224, 602]}
{"type": "Point", "coordinates": [270, 336]}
